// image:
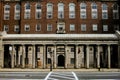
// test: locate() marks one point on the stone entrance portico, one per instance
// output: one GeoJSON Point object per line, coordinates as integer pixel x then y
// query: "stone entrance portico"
{"type": "Point", "coordinates": [68, 50]}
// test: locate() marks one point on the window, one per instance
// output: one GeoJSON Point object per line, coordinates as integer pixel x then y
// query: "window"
{"type": "Point", "coordinates": [38, 11]}
{"type": "Point", "coordinates": [95, 27]}
{"type": "Point", "coordinates": [49, 60]}
{"type": "Point", "coordinates": [16, 28]}
{"type": "Point", "coordinates": [27, 11]}
{"type": "Point", "coordinates": [94, 10]}
{"type": "Point", "coordinates": [49, 27]}
{"type": "Point", "coordinates": [49, 10]}
{"type": "Point", "coordinates": [27, 27]}
{"type": "Point", "coordinates": [61, 26]}
{"type": "Point", "coordinates": [83, 11]}
{"type": "Point", "coordinates": [17, 12]}
{"type": "Point", "coordinates": [105, 27]}
{"type": "Point", "coordinates": [72, 27]}
{"type": "Point", "coordinates": [71, 10]}
{"type": "Point", "coordinates": [60, 10]}
{"type": "Point", "coordinates": [104, 11]}
{"type": "Point", "coordinates": [72, 61]}
{"type": "Point", "coordinates": [83, 27]}
{"type": "Point", "coordinates": [72, 49]}
{"type": "Point", "coordinates": [6, 12]}
{"type": "Point", "coordinates": [115, 11]}
{"type": "Point", "coordinates": [38, 27]}
{"type": "Point", "coordinates": [116, 27]}
{"type": "Point", "coordinates": [49, 49]}
{"type": "Point", "coordinates": [6, 28]}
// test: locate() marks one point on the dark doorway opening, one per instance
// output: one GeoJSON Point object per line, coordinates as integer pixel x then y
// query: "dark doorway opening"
{"type": "Point", "coordinates": [61, 60]}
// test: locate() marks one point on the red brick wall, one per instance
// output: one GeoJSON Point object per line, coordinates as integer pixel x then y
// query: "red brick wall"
{"type": "Point", "coordinates": [44, 21]}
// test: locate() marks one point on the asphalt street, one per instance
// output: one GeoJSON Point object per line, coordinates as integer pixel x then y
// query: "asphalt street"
{"type": "Point", "coordinates": [59, 75]}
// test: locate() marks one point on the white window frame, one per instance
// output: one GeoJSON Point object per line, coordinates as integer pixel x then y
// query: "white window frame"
{"type": "Point", "coordinates": [83, 27]}
{"type": "Point", "coordinates": [49, 10]}
{"type": "Point", "coordinates": [60, 10]}
{"type": "Point", "coordinates": [27, 27]}
{"type": "Point", "coordinates": [16, 28]}
{"type": "Point", "coordinates": [6, 28]}
{"type": "Point", "coordinates": [17, 12]}
{"type": "Point", "coordinates": [38, 11]}
{"type": "Point", "coordinates": [95, 27]}
{"type": "Point", "coordinates": [6, 12]}
{"type": "Point", "coordinates": [27, 12]}
{"type": "Point", "coordinates": [71, 10]}
{"type": "Point", "coordinates": [49, 27]}
{"type": "Point", "coordinates": [94, 11]}
{"type": "Point", "coordinates": [38, 25]}
{"type": "Point", "coordinates": [83, 14]}
{"type": "Point", "coordinates": [104, 11]}
{"type": "Point", "coordinates": [115, 11]}
{"type": "Point", "coordinates": [105, 27]}
{"type": "Point", "coordinates": [72, 27]}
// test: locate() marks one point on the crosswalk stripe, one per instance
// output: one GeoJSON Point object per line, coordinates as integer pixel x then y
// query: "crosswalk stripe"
{"type": "Point", "coordinates": [62, 77]}
{"type": "Point", "coordinates": [48, 75]}
{"type": "Point", "coordinates": [76, 78]}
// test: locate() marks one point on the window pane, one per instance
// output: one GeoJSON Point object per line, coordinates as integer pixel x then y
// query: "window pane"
{"type": "Point", "coordinates": [105, 27]}
{"type": "Point", "coordinates": [72, 27]}
{"type": "Point", "coordinates": [95, 27]}
{"type": "Point", "coordinates": [83, 27]}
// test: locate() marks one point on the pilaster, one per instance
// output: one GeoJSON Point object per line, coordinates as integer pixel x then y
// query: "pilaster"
{"type": "Point", "coordinates": [76, 57]}
{"type": "Point", "coordinates": [54, 56]}
{"type": "Point", "coordinates": [87, 56]}
{"type": "Point", "coordinates": [109, 57]}
{"type": "Point", "coordinates": [44, 56]}
{"type": "Point", "coordinates": [33, 57]}
{"type": "Point", "coordinates": [98, 56]}
{"type": "Point", "coordinates": [66, 56]}
{"type": "Point", "coordinates": [23, 56]}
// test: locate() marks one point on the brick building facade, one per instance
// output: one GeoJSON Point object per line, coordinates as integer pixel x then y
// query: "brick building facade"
{"type": "Point", "coordinates": [66, 33]}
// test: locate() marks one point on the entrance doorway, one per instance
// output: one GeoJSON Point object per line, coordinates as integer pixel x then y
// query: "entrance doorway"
{"type": "Point", "coordinates": [61, 61]}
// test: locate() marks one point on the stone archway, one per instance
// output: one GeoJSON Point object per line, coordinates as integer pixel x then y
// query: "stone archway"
{"type": "Point", "coordinates": [61, 61]}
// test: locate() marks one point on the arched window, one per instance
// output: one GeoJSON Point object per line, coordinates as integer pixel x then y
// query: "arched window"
{"type": "Point", "coordinates": [83, 11]}
{"type": "Point", "coordinates": [71, 10]}
{"type": "Point", "coordinates": [115, 11]}
{"type": "Point", "coordinates": [6, 12]}
{"type": "Point", "coordinates": [27, 11]}
{"type": "Point", "coordinates": [17, 12]}
{"type": "Point", "coordinates": [104, 11]}
{"type": "Point", "coordinates": [94, 11]}
{"type": "Point", "coordinates": [60, 10]}
{"type": "Point", "coordinates": [49, 10]}
{"type": "Point", "coordinates": [38, 10]}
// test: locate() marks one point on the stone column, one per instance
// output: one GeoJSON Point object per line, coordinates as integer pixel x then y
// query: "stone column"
{"type": "Point", "coordinates": [2, 65]}
{"type": "Point", "coordinates": [119, 55]}
{"type": "Point", "coordinates": [1, 56]}
{"type": "Point", "coordinates": [66, 56]}
{"type": "Point", "coordinates": [33, 57]}
{"type": "Point", "coordinates": [76, 57]}
{"type": "Point", "coordinates": [23, 56]}
{"type": "Point", "coordinates": [54, 56]}
{"type": "Point", "coordinates": [98, 56]}
{"type": "Point", "coordinates": [109, 57]}
{"type": "Point", "coordinates": [12, 57]}
{"type": "Point", "coordinates": [44, 56]}
{"type": "Point", "coordinates": [87, 56]}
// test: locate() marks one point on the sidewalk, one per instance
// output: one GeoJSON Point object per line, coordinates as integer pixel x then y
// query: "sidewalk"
{"type": "Point", "coordinates": [62, 70]}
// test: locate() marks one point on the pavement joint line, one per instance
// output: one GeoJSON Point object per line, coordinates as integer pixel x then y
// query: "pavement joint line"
{"type": "Point", "coordinates": [48, 75]}
{"type": "Point", "coordinates": [76, 78]}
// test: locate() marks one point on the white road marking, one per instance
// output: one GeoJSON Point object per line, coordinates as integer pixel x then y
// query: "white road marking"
{"type": "Point", "coordinates": [61, 75]}
{"type": "Point", "coordinates": [48, 75]}
{"type": "Point", "coordinates": [76, 78]}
